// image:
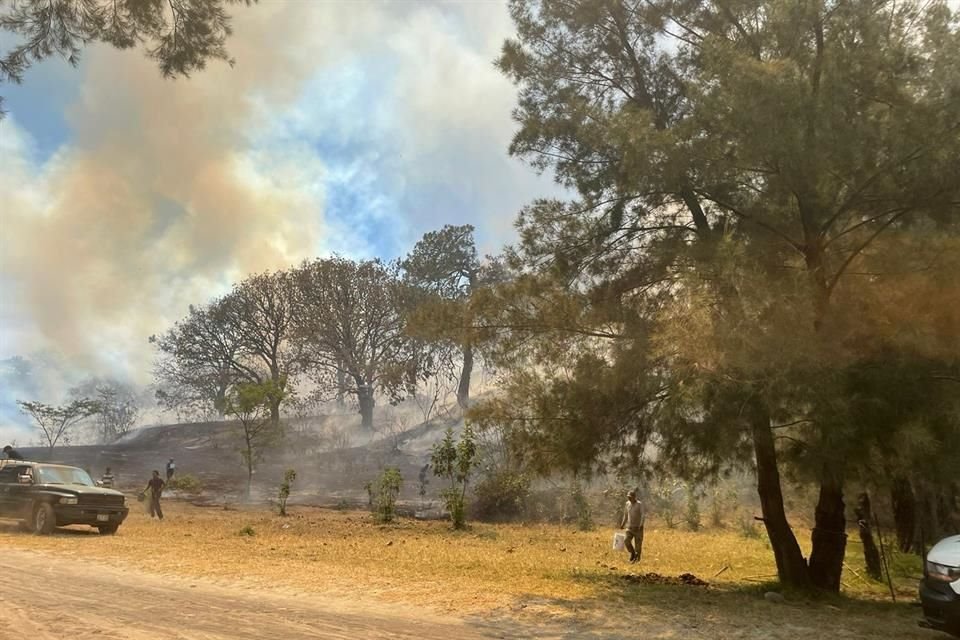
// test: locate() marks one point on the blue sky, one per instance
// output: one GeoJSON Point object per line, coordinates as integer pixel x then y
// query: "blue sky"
{"type": "Point", "coordinates": [347, 127]}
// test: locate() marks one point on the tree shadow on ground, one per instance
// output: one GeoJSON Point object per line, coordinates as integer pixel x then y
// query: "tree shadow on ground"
{"type": "Point", "coordinates": [625, 607]}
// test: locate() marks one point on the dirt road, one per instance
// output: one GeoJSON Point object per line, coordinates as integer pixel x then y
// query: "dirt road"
{"type": "Point", "coordinates": [51, 597]}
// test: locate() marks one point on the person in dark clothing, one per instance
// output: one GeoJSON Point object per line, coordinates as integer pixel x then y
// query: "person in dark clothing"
{"type": "Point", "coordinates": [106, 480]}
{"type": "Point", "coordinates": [155, 487]}
{"type": "Point", "coordinates": [11, 453]}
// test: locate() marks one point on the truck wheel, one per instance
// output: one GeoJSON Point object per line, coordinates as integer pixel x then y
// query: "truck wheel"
{"type": "Point", "coordinates": [108, 529]}
{"type": "Point", "coordinates": [44, 519]}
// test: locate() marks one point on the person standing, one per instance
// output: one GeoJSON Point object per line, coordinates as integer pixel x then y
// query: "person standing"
{"type": "Point", "coordinates": [106, 480]}
{"type": "Point", "coordinates": [633, 523]}
{"type": "Point", "coordinates": [11, 453]}
{"type": "Point", "coordinates": [155, 487]}
{"type": "Point", "coordinates": [171, 469]}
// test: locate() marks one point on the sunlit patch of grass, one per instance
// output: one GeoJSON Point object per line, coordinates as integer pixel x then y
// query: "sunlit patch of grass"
{"type": "Point", "coordinates": [486, 568]}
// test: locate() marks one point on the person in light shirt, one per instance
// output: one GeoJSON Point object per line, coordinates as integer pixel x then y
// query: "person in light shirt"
{"type": "Point", "coordinates": [633, 523]}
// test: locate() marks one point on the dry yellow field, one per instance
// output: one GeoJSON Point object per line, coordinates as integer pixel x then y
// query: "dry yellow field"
{"type": "Point", "coordinates": [543, 573]}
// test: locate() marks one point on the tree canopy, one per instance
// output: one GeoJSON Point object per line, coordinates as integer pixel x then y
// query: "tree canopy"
{"type": "Point", "coordinates": [350, 321]}
{"type": "Point", "coordinates": [180, 36]}
{"type": "Point", "coordinates": [445, 266]}
{"type": "Point", "coordinates": [753, 179]}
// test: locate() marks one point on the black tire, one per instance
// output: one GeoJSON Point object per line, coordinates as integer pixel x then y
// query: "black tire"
{"type": "Point", "coordinates": [108, 529]}
{"type": "Point", "coordinates": [44, 519]}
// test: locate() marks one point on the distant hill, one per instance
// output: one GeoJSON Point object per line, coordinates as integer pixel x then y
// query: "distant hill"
{"type": "Point", "coordinates": [327, 473]}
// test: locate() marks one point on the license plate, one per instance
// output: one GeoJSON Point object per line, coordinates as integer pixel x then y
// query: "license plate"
{"type": "Point", "coordinates": [103, 517]}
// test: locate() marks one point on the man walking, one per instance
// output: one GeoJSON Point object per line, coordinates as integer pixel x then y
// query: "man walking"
{"type": "Point", "coordinates": [155, 487]}
{"type": "Point", "coordinates": [633, 523]}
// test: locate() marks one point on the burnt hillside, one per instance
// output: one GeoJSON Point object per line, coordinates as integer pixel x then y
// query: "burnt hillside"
{"type": "Point", "coordinates": [327, 473]}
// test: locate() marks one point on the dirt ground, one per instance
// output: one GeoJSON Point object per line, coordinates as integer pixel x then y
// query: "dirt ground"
{"type": "Point", "coordinates": [65, 598]}
{"type": "Point", "coordinates": [244, 572]}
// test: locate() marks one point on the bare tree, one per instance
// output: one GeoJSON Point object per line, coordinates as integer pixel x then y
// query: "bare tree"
{"type": "Point", "coordinates": [349, 323]}
{"type": "Point", "coordinates": [198, 360]}
{"type": "Point", "coordinates": [56, 423]}
{"type": "Point", "coordinates": [262, 316]}
{"type": "Point", "coordinates": [243, 337]}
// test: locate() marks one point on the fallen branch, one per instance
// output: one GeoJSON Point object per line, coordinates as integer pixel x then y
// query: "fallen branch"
{"type": "Point", "coordinates": [855, 572]}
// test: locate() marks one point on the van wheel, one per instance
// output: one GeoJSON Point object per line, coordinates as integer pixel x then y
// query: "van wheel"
{"type": "Point", "coordinates": [108, 529]}
{"type": "Point", "coordinates": [44, 519]}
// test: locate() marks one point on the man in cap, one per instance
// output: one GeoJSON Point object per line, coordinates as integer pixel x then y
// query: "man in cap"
{"type": "Point", "coordinates": [633, 523]}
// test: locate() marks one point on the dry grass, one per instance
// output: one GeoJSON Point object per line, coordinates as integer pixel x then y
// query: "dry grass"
{"type": "Point", "coordinates": [503, 570]}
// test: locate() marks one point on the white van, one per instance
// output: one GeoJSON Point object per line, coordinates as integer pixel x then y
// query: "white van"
{"type": "Point", "coordinates": [940, 587]}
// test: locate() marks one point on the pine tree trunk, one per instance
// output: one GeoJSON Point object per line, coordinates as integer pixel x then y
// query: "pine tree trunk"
{"type": "Point", "coordinates": [871, 554]}
{"type": "Point", "coordinates": [945, 514]}
{"type": "Point", "coordinates": [927, 512]}
{"type": "Point", "coordinates": [829, 537]}
{"type": "Point", "coordinates": [791, 565]}
{"type": "Point", "coordinates": [463, 389]}
{"type": "Point", "coordinates": [904, 514]}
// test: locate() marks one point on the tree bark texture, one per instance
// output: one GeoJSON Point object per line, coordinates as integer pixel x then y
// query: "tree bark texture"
{"type": "Point", "coordinates": [871, 554]}
{"type": "Point", "coordinates": [904, 514]}
{"type": "Point", "coordinates": [829, 537]}
{"type": "Point", "coordinates": [791, 565]}
{"type": "Point", "coordinates": [275, 411]}
{"type": "Point", "coordinates": [463, 388]}
{"type": "Point", "coordinates": [366, 402]}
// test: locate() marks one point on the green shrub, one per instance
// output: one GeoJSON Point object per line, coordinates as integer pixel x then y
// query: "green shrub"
{"type": "Point", "coordinates": [581, 508]}
{"type": "Point", "coordinates": [456, 506]}
{"type": "Point", "coordinates": [722, 499]}
{"type": "Point", "coordinates": [547, 505]}
{"type": "Point", "coordinates": [664, 501]}
{"type": "Point", "coordinates": [454, 462]}
{"type": "Point", "coordinates": [284, 494]}
{"type": "Point", "coordinates": [384, 495]}
{"type": "Point", "coordinates": [247, 530]}
{"type": "Point", "coordinates": [185, 483]}
{"type": "Point", "coordinates": [500, 496]}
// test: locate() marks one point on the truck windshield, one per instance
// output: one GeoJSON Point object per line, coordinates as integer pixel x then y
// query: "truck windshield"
{"type": "Point", "coordinates": [63, 475]}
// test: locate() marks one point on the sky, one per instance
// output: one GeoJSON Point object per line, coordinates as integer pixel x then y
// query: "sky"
{"type": "Point", "coordinates": [348, 127]}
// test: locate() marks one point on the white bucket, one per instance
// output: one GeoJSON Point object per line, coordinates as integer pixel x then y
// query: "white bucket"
{"type": "Point", "coordinates": [618, 539]}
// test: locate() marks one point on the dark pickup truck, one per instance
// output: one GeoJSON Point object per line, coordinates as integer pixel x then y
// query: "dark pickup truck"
{"type": "Point", "coordinates": [44, 496]}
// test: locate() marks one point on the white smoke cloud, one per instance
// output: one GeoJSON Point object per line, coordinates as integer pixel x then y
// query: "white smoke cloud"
{"type": "Point", "coordinates": [165, 192]}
